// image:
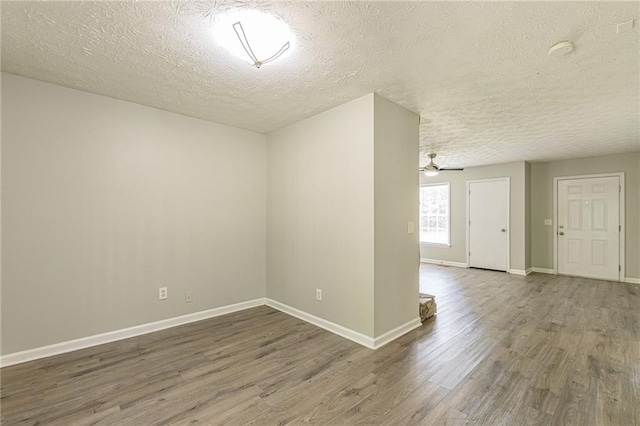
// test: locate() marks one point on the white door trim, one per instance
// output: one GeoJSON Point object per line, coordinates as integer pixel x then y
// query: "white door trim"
{"type": "Point", "coordinates": [508, 180]}
{"type": "Point", "coordinates": [622, 254]}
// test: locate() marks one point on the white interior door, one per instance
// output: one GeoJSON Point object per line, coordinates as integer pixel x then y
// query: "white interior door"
{"type": "Point", "coordinates": [588, 227]}
{"type": "Point", "coordinates": [489, 224]}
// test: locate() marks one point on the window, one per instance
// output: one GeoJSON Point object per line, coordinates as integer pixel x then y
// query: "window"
{"type": "Point", "coordinates": [434, 214]}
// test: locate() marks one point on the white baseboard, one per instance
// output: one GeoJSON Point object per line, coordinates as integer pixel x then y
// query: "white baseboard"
{"type": "Point", "coordinates": [392, 335]}
{"type": "Point", "coordinates": [443, 262]}
{"type": "Point", "coordinates": [345, 332]}
{"type": "Point", "coordinates": [125, 333]}
{"type": "Point", "coordinates": [520, 271]}
{"type": "Point", "coordinates": [542, 270]}
{"type": "Point", "coordinates": [550, 271]}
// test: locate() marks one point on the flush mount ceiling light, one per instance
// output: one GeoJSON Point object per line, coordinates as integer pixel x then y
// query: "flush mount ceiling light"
{"type": "Point", "coordinates": [255, 37]}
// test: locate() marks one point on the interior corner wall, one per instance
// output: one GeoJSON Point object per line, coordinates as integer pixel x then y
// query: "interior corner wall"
{"type": "Point", "coordinates": [396, 199]}
{"type": "Point", "coordinates": [458, 181]}
{"type": "Point", "coordinates": [1, 350]}
{"type": "Point", "coordinates": [542, 175]}
{"type": "Point", "coordinates": [527, 216]}
{"type": "Point", "coordinates": [320, 218]}
{"type": "Point", "coordinates": [105, 201]}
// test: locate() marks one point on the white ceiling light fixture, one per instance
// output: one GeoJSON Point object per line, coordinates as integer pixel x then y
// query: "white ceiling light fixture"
{"type": "Point", "coordinates": [255, 37]}
{"type": "Point", "coordinates": [432, 169]}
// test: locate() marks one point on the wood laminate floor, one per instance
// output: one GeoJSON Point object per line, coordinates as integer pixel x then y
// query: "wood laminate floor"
{"type": "Point", "coordinates": [503, 350]}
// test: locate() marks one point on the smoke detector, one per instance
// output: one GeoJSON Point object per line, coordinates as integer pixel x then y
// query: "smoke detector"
{"type": "Point", "coordinates": [561, 49]}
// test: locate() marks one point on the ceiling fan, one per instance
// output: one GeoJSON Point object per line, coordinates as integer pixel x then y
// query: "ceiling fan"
{"type": "Point", "coordinates": [432, 168]}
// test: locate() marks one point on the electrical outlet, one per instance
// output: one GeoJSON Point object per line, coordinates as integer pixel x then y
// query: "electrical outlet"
{"type": "Point", "coordinates": [319, 295]}
{"type": "Point", "coordinates": [162, 293]}
{"type": "Point", "coordinates": [188, 297]}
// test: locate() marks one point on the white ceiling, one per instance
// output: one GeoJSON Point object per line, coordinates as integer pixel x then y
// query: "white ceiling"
{"type": "Point", "coordinates": [478, 73]}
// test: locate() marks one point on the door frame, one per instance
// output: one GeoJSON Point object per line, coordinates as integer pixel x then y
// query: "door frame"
{"type": "Point", "coordinates": [468, 193]}
{"type": "Point", "coordinates": [623, 229]}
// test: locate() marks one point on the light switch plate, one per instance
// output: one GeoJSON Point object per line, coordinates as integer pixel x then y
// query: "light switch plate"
{"type": "Point", "coordinates": [411, 227]}
{"type": "Point", "coordinates": [548, 222]}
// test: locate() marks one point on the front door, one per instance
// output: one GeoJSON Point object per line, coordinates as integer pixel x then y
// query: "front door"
{"type": "Point", "coordinates": [588, 227]}
{"type": "Point", "coordinates": [489, 224]}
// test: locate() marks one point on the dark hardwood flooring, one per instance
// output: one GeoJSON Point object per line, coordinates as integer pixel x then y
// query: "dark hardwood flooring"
{"type": "Point", "coordinates": [503, 350]}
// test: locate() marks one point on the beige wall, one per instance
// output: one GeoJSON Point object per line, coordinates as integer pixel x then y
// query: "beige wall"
{"type": "Point", "coordinates": [532, 202]}
{"type": "Point", "coordinates": [542, 175]}
{"type": "Point", "coordinates": [458, 181]}
{"type": "Point", "coordinates": [320, 219]}
{"type": "Point", "coordinates": [1, 325]}
{"type": "Point", "coordinates": [104, 201]}
{"type": "Point", "coordinates": [396, 201]}
{"type": "Point", "coordinates": [341, 188]}
{"type": "Point", "coordinates": [527, 215]}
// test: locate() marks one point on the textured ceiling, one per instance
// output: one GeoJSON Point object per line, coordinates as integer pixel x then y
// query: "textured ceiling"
{"type": "Point", "coordinates": [478, 73]}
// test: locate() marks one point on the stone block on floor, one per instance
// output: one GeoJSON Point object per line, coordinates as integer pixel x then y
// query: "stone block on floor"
{"type": "Point", "coordinates": [428, 307]}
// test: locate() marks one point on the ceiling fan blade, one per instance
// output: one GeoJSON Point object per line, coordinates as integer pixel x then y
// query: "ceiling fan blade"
{"type": "Point", "coordinates": [450, 170]}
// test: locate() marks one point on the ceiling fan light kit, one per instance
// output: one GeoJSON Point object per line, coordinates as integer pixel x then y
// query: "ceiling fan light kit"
{"type": "Point", "coordinates": [432, 169]}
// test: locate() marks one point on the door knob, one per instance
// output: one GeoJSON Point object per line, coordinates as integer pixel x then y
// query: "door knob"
{"type": "Point", "coordinates": [560, 233]}
{"type": "Point", "coordinates": [503, 230]}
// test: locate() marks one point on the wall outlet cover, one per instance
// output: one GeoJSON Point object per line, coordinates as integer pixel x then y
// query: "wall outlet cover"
{"type": "Point", "coordinates": [163, 293]}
